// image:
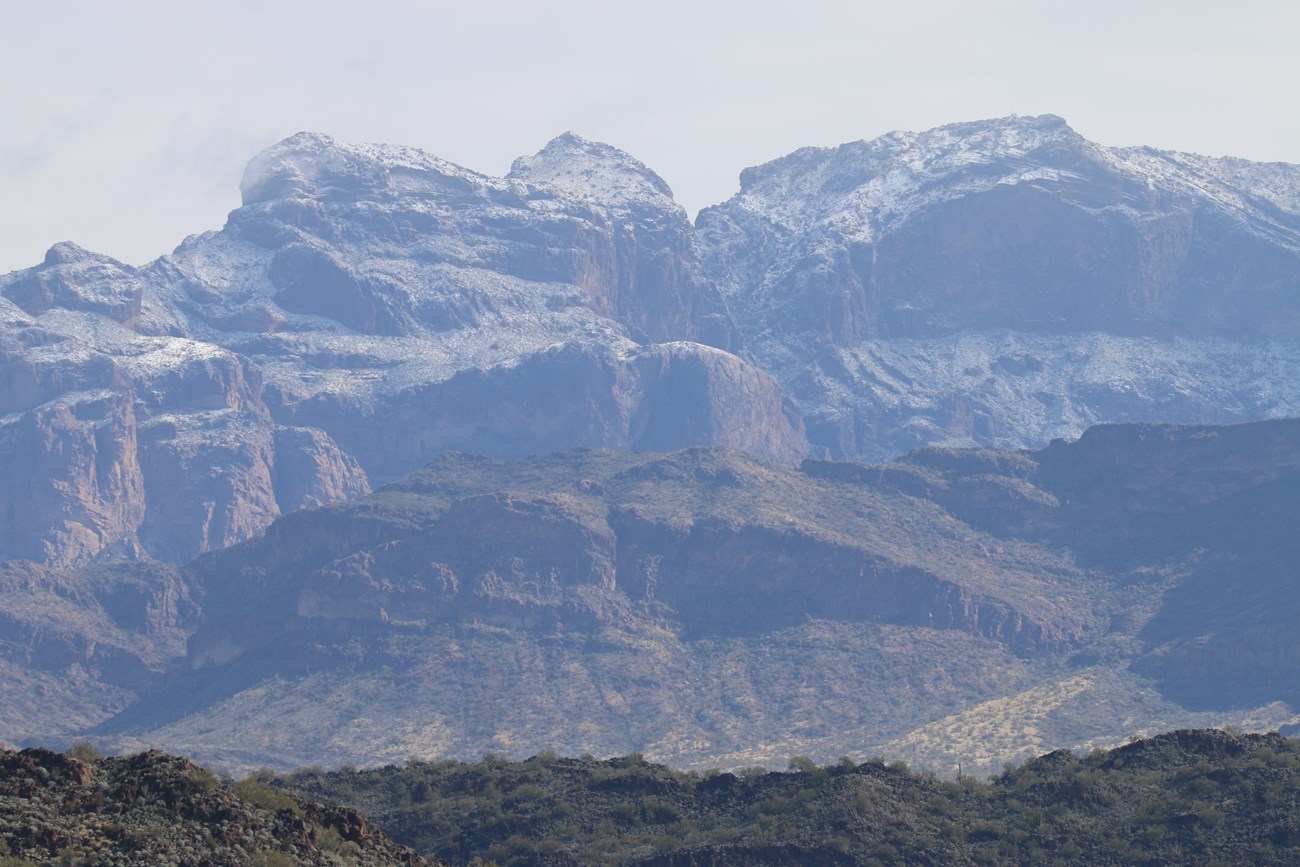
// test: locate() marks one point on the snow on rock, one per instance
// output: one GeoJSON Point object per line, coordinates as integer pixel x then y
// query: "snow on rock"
{"type": "Point", "coordinates": [595, 171]}
{"type": "Point", "coordinates": [1010, 389]}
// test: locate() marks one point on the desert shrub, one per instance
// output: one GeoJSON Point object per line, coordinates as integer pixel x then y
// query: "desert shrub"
{"type": "Point", "coordinates": [205, 780]}
{"type": "Point", "coordinates": [275, 858]}
{"type": "Point", "coordinates": [261, 795]}
{"type": "Point", "coordinates": [84, 751]}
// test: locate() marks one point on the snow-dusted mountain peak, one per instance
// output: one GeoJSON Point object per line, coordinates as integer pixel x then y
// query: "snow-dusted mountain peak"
{"type": "Point", "coordinates": [592, 170]}
{"type": "Point", "coordinates": [951, 145]}
{"type": "Point", "coordinates": [315, 165]}
{"type": "Point", "coordinates": [865, 188]}
{"type": "Point", "coordinates": [867, 184]}
{"type": "Point", "coordinates": [68, 253]}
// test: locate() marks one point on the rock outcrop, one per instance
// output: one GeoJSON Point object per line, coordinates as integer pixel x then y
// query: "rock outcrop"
{"type": "Point", "coordinates": [153, 808]}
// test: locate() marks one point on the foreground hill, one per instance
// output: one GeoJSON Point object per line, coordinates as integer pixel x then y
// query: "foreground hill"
{"type": "Point", "coordinates": [956, 607]}
{"type": "Point", "coordinates": [153, 809]}
{"type": "Point", "coordinates": [1189, 797]}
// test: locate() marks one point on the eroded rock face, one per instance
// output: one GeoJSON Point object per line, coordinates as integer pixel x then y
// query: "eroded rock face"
{"type": "Point", "coordinates": [70, 483]}
{"type": "Point", "coordinates": [1199, 518]}
{"type": "Point", "coordinates": [121, 444]}
{"type": "Point", "coordinates": [712, 540]}
{"type": "Point", "coordinates": [694, 603]}
{"type": "Point", "coordinates": [77, 646]}
{"type": "Point", "coordinates": [1017, 223]}
{"type": "Point", "coordinates": [577, 213]}
{"type": "Point", "coordinates": [78, 279]}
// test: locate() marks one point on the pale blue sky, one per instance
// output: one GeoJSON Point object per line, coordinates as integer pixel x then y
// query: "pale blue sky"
{"type": "Point", "coordinates": [126, 126]}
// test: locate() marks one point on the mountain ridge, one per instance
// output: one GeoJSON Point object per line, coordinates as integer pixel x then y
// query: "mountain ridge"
{"type": "Point", "coordinates": [917, 608]}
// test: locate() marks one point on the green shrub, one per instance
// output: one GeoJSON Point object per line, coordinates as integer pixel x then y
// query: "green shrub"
{"type": "Point", "coordinates": [261, 795]}
{"type": "Point", "coordinates": [84, 751]}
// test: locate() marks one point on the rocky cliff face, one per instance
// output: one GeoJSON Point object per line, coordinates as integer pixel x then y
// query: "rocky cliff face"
{"type": "Point", "coordinates": [77, 646]}
{"type": "Point", "coordinates": [1006, 282]}
{"type": "Point", "coordinates": [954, 606]}
{"type": "Point", "coordinates": [1200, 517]}
{"type": "Point", "coordinates": [706, 541]}
{"type": "Point", "coordinates": [367, 308]}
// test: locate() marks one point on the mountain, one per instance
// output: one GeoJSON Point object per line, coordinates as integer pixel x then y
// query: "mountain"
{"type": "Point", "coordinates": [216, 535]}
{"type": "Point", "coordinates": [1186, 797]}
{"type": "Point", "coordinates": [152, 808]}
{"type": "Point", "coordinates": [1007, 282]}
{"type": "Point", "coordinates": [954, 607]}
{"type": "Point", "coordinates": [367, 308]}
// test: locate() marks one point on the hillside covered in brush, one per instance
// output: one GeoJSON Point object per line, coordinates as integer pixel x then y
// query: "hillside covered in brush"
{"type": "Point", "coordinates": [1188, 797]}
{"type": "Point", "coordinates": [153, 809]}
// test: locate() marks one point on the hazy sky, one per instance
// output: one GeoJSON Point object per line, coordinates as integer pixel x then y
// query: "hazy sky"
{"type": "Point", "coordinates": [125, 126]}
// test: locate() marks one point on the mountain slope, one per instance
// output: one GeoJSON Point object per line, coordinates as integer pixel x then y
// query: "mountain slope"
{"type": "Point", "coordinates": [959, 606]}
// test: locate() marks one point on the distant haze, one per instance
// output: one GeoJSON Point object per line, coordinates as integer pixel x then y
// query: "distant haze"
{"type": "Point", "coordinates": [125, 127]}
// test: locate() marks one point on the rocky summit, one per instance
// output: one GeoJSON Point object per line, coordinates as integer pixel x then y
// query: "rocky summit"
{"type": "Point", "coordinates": [370, 307]}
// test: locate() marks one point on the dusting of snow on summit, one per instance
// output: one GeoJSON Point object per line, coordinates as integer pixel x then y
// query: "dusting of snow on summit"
{"type": "Point", "coordinates": [592, 170]}
{"type": "Point", "coordinates": [863, 188]}
{"type": "Point", "coordinates": [318, 166]}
